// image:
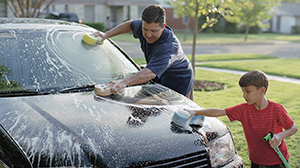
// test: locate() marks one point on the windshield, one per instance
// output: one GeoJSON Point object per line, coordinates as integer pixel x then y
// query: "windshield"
{"type": "Point", "coordinates": [49, 58]}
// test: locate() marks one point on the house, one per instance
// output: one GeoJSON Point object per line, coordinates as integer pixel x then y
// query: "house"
{"type": "Point", "coordinates": [109, 12]}
{"type": "Point", "coordinates": [174, 21]}
{"type": "Point", "coordinates": [287, 16]}
{"type": "Point", "coordinates": [114, 12]}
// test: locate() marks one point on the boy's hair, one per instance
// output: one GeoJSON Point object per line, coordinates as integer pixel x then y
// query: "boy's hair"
{"type": "Point", "coordinates": [254, 78]}
{"type": "Point", "coordinates": [154, 14]}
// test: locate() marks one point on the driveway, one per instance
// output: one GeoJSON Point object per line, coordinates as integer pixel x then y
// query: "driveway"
{"type": "Point", "coordinates": [280, 49]}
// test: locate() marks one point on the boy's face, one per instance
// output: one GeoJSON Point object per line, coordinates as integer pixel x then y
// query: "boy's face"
{"type": "Point", "coordinates": [152, 31]}
{"type": "Point", "coordinates": [253, 95]}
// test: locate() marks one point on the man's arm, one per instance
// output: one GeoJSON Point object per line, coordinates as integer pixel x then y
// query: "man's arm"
{"type": "Point", "coordinates": [277, 138]}
{"type": "Point", "coordinates": [120, 29]}
{"type": "Point", "coordinates": [211, 112]}
{"type": "Point", "coordinates": [141, 77]}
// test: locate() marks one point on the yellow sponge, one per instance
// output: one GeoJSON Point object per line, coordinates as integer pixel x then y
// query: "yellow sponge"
{"type": "Point", "coordinates": [90, 39]}
{"type": "Point", "coordinates": [102, 90]}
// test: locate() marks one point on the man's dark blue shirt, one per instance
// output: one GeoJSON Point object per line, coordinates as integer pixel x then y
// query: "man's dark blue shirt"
{"type": "Point", "coordinates": [166, 59]}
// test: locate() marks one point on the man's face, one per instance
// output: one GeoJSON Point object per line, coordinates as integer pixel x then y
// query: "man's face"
{"type": "Point", "coordinates": [152, 31]}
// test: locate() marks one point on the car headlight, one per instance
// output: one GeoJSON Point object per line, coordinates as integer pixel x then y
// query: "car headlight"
{"type": "Point", "coordinates": [221, 150]}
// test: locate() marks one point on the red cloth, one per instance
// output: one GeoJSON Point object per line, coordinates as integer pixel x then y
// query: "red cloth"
{"type": "Point", "coordinates": [257, 124]}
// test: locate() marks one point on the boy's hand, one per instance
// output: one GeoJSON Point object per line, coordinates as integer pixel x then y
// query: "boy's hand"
{"type": "Point", "coordinates": [191, 112]}
{"type": "Point", "coordinates": [275, 141]}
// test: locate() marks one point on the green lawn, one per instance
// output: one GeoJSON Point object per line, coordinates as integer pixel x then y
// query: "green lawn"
{"type": "Point", "coordinates": [286, 94]}
{"type": "Point", "coordinates": [274, 66]}
{"type": "Point", "coordinates": [282, 67]}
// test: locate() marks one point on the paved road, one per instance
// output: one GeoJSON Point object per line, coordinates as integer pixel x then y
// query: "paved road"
{"type": "Point", "coordinates": [274, 48]}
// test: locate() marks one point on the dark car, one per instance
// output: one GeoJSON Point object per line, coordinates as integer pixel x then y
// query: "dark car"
{"type": "Point", "coordinates": [49, 107]}
{"type": "Point", "coordinates": [65, 16]}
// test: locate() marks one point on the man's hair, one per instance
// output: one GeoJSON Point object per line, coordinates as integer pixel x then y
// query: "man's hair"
{"type": "Point", "coordinates": [154, 14]}
{"type": "Point", "coordinates": [254, 78]}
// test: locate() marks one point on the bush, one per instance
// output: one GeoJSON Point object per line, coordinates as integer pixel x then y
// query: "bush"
{"type": "Point", "coordinates": [231, 27]}
{"type": "Point", "coordinates": [223, 26]}
{"type": "Point", "coordinates": [220, 26]}
{"type": "Point", "coordinates": [253, 30]}
{"type": "Point", "coordinates": [296, 29]}
{"type": "Point", "coordinates": [98, 26]}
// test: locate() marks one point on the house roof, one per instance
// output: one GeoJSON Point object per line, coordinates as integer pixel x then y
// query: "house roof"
{"type": "Point", "coordinates": [290, 8]}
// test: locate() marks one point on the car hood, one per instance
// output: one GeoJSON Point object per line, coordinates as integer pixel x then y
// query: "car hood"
{"type": "Point", "coordinates": [85, 129]}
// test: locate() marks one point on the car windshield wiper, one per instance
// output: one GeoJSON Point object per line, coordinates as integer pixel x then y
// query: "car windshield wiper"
{"type": "Point", "coordinates": [82, 88]}
{"type": "Point", "coordinates": [21, 93]}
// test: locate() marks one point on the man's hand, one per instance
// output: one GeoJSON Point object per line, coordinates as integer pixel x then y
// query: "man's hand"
{"type": "Point", "coordinates": [122, 28]}
{"type": "Point", "coordinates": [99, 34]}
{"type": "Point", "coordinates": [116, 86]}
{"type": "Point", "coordinates": [141, 77]}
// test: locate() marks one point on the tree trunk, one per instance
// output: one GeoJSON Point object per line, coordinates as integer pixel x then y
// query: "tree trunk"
{"type": "Point", "coordinates": [195, 34]}
{"type": "Point", "coordinates": [246, 33]}
{"type": "Point", "coordinates": [22, 8]}
{"type": "Point", "coordinates": [186, 28]}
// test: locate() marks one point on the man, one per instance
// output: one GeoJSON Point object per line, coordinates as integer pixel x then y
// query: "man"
{"type": "Point", "coordinates": [166, 61]}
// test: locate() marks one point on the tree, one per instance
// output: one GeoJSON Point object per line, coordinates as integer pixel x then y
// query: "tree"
{"type": "Point", "coordinates": [197, 8]}
{"type": "Point", "coordinates": [28, 8]}
{"type": "Point", "coordinates": [182, 11]}
{"type": "Point", "coordinates": [5, 83]}
{"type": "Point", "coordinates": [252, 13]}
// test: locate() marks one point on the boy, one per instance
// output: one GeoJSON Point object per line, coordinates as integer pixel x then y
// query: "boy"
{"type": "Point", "coordinates": [258, 116]}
